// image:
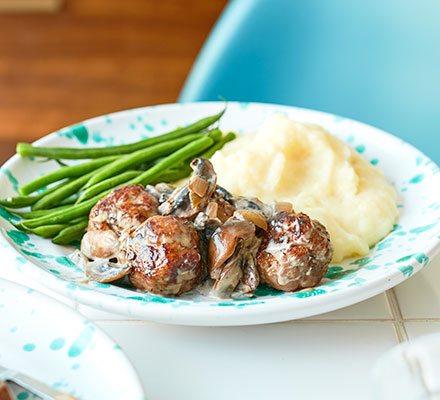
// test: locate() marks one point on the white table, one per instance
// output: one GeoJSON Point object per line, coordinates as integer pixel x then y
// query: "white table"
{"type": "Point", "coordinates": [323, 357]}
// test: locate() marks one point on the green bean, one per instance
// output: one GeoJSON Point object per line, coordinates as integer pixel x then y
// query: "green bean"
{"type": "Point", "coordinates": [160, 170]}
{"type": "Point", "coordinates": [20, 227]}
{"type": "Point", "coordinates": [141, 156]}
{"type": "Point", "coordinates": [19, 201]}
{"type": "Point", "coordinates": [107, 184]}
{"type": "Point", "coordinates": [40, 213]}
{"type": "Point", "coordinates": [70, 200]}
{"type": "Point", "coordinates": [71, 171]}
{"type": "Point", "coordinates": [62, 216]}
{"type": "Point", "coordinates": [25, 149]}
{"type": "Point", "coordinates": [172, 174]}
{"type": "Point", "coordinates": [71, 233]}
{"type": "Point", "coordinates": [217, 146]}
{"type": "Point", "coordinates": [25, 201]}
{"type": "Point", "coordinates": [183, 170]}
{"type": "Point", "coordinates": [169, 175]}
{"type": "Point", "coordinates": [216, 135]}
{"type": "Point", "coordinates": [48, 231]}
{"type": "Point", "coordinates": [175, 158]}
{"type": "Point", "coordinates": [63, 192]}
{"type": "Point", "coordinates": [51, 230]}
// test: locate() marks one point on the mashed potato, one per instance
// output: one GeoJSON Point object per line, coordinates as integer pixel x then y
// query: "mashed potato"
{"type": "Point", "coordinates": [319, 174]}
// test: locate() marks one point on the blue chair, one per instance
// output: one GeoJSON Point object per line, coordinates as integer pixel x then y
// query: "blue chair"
{"type": "Point", "coordinates": [377, 61]}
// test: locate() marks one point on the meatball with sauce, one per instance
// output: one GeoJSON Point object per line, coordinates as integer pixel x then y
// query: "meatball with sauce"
{"type": "Point", "coordinates": [114, 217]}
{"type": "Point", "coordinates": [164, 256]}
{"type": "Point", "coordinates": [111, 221]}
{"type": "Point", "coordinates": [295, 252]}
{"type": "Point", "coordinates": [124, 209]}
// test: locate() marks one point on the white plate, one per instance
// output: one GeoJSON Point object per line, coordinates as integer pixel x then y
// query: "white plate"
{"type": "Point", "coordinates": [52, 343]}
{"type": "Point", "coordinates": [404, 251]}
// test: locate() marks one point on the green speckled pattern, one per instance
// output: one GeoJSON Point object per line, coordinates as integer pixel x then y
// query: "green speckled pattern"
{"type": "Point", "coordinates": [413, 241]}
{"type": "Point", "coordinates": [52, 343]}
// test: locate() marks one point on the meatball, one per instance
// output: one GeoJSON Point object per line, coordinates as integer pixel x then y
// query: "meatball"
{"type": "Point", "coordinates": [295, 252]}
{"type": "Point", "coordinates": [164, 256]}
{"type": "Point", "coordinates": [124, 209]}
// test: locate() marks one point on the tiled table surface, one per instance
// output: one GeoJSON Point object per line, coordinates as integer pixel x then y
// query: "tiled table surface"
{"type": "Point", "coordinates": [327, 356]}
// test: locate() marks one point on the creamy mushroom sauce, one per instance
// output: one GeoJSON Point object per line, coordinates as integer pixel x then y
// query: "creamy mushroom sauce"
{"type": "Point", "coordinates": [234, 233]}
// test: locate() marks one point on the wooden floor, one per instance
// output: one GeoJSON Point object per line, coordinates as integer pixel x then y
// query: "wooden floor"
{"type": "Point", "coordinates": [94, 57]}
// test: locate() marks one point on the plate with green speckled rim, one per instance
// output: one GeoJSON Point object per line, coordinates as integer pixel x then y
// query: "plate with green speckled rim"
{"type": "Point", "coordinates": [404, 251]}
{"type": "Point", "coordinates": [78, 358]}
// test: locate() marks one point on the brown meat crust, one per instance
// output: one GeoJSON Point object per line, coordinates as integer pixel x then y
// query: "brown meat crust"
{"type": "Point", "coordinates": [164, 256]}
{"type": "Point", "coordinates": [125, 208]}
{"type": "Point", "coordinates": [295, 252]}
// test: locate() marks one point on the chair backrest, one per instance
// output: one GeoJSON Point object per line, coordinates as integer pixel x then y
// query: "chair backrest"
{"type": "Point", "coordinates": [377, 61]}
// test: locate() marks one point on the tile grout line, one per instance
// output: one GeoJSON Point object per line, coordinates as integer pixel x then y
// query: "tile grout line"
{"type": "Point", "coordinates": [399, 326]}
{"type": "Point", "coordinates": [430, 319]}
{"type": "Point", "coordinates": [310, 319]}
{"type": "Point", "coordinates": [296, 321]}
{"type": "Point", "coordinates": [337, 320]}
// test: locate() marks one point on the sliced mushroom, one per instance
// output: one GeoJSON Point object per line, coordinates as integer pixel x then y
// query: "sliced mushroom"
{"type": "Point", "coordinates": [153, 191]}
{"type": "Point", "coordinates": [206, 227]}
{"type": "Point", "coordinates": [101, 270]}
{"type": "Point", "coordinates": [100, 244]}
{"type": "Point", "coordinates": [224, 209]}
{"type": "Point", "coordinates": [104, 271]}
{"type": "Point", "coordinates": [220, 206]}
{"type": "Point", "coordinates": [253, 216]}
{"type": "Point", "coordinates": [229, 276]}
{"type": "Point", "coordinates": [198, 186]}
{"type": "Point", "coordinates": [162, 191]}
{"type": "Point", "coordinates": [224, 242]}
{"type": "Point", "coordinates": [280, 206]}
{"type": "Point", "coordinates": [212, 210]}
{"type": "Point", "coordinates": [243, 203]}
{"type": "Point", "coordinates": [232, 249]}
{"type": "Point", "coordinates": [223, 193]}
{"type": "Point", "coordinates": [251, 278]}
{"type": "Point", "coordinates": [217, 210]}
{"type": "Point", "coordinates": [187, 200]}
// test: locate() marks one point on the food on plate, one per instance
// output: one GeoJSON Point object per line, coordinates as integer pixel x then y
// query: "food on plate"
{"type": "Point", "coordinates": [111, 221]}
{"type": "Point", "coordinates": [123, 210]}
{"type": "Point", "coordinates": [59, 211]}
{"type": "Point", "coordinates": [164, 256]}
{"type": "Point", "coordinates": [295, 252]}
{"type": "Point", "coordinates": [301, 198]}
{"type": "Point", "coordinates": [319, 174]}
{"type": "Point", "coordinates": [193, 196]}
{"type": "Point", "coordinates": [231, 262]}
{"type": "Point", "coordinates": [169, 240]}
{"type": "Point", "coordinates": [28, 150]}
